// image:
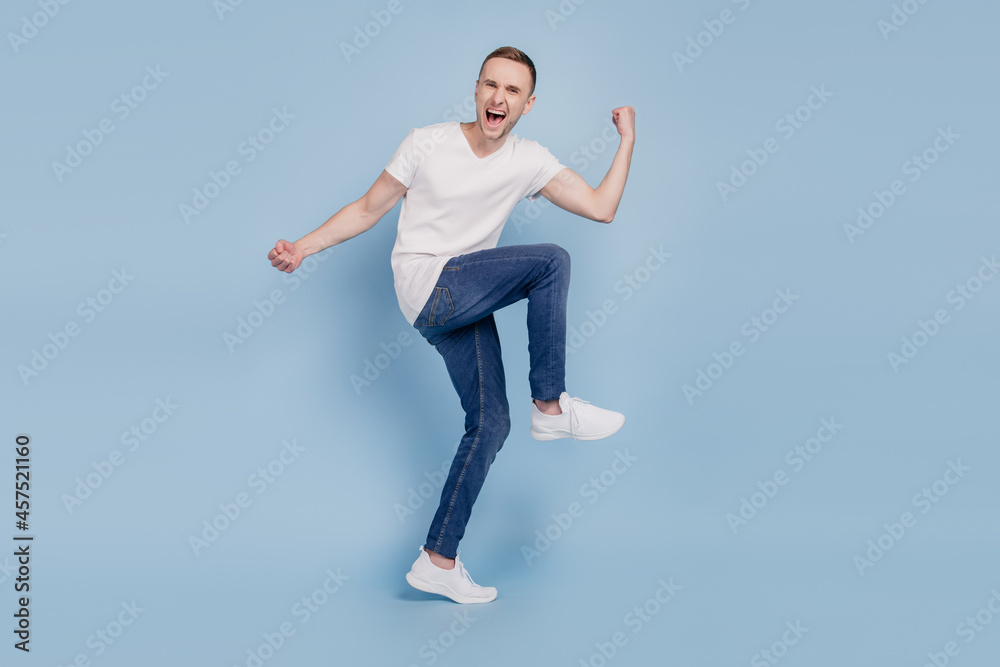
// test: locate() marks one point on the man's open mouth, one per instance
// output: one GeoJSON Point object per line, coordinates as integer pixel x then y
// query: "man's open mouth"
{"type": "Point", "coordinates": [495, 117]}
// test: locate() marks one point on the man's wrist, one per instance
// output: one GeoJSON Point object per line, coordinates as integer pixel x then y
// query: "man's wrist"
{"type": "Point", "coordinates": [307, 246]}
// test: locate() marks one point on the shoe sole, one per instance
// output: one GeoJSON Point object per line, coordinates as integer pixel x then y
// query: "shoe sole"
{"type": "Point", "coordinates": [596, 436]}
{"type": "Point", "coordinates": [437, 589]}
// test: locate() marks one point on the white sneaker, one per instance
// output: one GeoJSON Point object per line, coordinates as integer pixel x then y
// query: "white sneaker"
{"type": "Point", "coordinates": [579, 420]}
{"type": "Point", "coordinates": [454, 583]}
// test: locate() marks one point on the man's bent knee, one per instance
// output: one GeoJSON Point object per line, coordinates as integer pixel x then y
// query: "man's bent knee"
{"type": "Point", "coordinates": [497, 427]}
{"type": "Point", "coordinates": [503, 426]}
{"type": "Point", "coordinates": [558, 254]}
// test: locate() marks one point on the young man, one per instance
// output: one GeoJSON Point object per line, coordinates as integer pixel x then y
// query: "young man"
{"type": "Point", "coordinates": [459, 183]}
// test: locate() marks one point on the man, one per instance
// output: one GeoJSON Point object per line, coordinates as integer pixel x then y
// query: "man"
{"type": "Point", "coordinates": [459, 183]}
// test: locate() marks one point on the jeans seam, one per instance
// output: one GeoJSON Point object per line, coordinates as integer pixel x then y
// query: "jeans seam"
{"type": "Point", "coordinates": [451, 305]}
{"type": "Point", "coordinates": [549, 371]}
{"type": "Point", "coordinates": [475, 441]}
{"type": "Point", "coordinates": [430, 315]}
{"type": "Point", "coordinates": [548, 258]}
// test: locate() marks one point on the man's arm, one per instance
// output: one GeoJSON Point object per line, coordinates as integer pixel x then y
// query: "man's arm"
{"type": "Point", "coordinates": [569, 191]}
{"type": "Point", "coordinates": [348, 222]}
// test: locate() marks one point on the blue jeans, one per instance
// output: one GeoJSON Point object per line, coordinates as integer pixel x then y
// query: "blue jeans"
{"type": "Point", "coordinates": [458, 321]}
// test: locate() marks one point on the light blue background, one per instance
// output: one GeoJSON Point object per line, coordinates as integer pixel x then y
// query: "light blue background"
{"type": "Point", "coordinates": [333, 507]}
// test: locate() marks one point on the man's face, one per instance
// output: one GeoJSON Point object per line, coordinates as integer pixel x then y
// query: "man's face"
{"type": "Point", "coordinates": [503, 87]}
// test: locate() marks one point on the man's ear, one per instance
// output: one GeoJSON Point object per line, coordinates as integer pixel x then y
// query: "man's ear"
{"type": "Point", "coordinates": [527, 105]}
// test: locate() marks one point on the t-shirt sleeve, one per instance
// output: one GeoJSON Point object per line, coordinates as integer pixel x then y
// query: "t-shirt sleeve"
{"type": "Point", "coordinates": [548, 167]}
{"type": "Point", "coordinates": [404, 162]}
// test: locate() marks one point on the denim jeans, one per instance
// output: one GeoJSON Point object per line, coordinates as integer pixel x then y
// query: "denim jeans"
{"type": "Point", "coordinates": [458, 321]}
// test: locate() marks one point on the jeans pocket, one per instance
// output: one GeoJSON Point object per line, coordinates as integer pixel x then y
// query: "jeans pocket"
{"type": "Point", "coordinates": [441, 309]}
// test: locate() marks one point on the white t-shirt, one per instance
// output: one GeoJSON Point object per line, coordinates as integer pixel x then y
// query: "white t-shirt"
{"type": "Point", "coordinates": [456, 203]}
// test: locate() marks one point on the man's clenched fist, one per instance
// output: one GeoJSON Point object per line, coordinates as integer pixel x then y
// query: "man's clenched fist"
{"type": "Point", "coordinates": [285, 256]}
{"type": "Point", "coordinates": [624, 118]}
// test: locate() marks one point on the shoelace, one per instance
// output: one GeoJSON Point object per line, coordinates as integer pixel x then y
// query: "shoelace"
{"type": "Point", "coordinates": [465, 573]}
{"type": "Point", "coordinates": [574, 418]}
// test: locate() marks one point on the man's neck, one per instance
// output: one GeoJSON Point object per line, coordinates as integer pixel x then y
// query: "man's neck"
{"type": "Point", "coordinates": [480, 145]}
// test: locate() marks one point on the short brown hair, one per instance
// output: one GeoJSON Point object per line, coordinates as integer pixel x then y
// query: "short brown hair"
{"type": "Point", "coordinates": [515, 54]}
